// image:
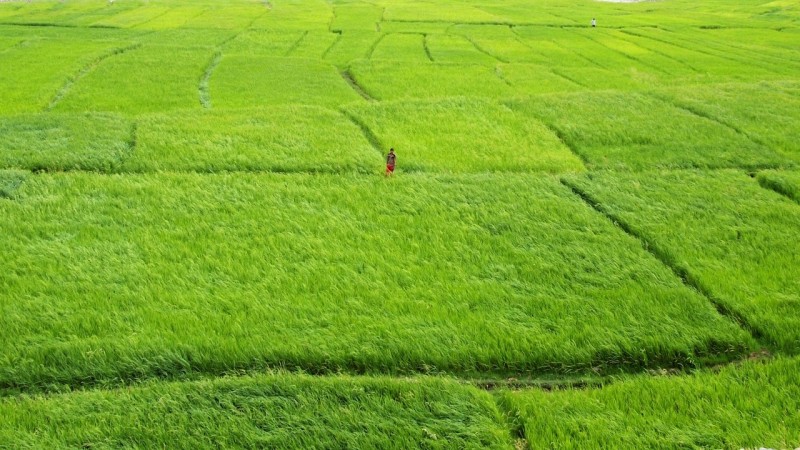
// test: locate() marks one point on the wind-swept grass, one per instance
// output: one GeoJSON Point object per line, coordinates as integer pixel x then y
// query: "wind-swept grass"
{"type": "Point", "coordinates": [765, 111]}
{"type": "Point", "coordinates": [32, 73]}
{"type": "Point", "coordinates": [732, 238]}
{"type": "Point", "coordinates": [245, 81]}
{"type": "Point", "coordinates": [751, 405]}
{"type": "Point", "coordinates": [782, 181]}
{"type": "Point", "coordinates": [283, 139]}
{"type": "Point", "coordinates": [480, 274]}
{"type": "Point", "coordinates": [465, 136]}
{"type": "Point", "coordinates": [147, 79]}
{"type": "Point", "coordinates": [64, 141]}
{"type": "Point", "coordinates": [635, 131]}
{"type": "Point", "coordinates": [10, 180]}
{"type": "Point", "coordinates": [391, 80]}
{"type": "Point", "coordinates": [406, 47]}
{"type": "Point", "coordinates": [264, 411]}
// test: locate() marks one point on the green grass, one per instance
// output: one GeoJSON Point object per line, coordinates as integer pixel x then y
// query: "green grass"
{"type": "Point", "coordinates": [742, 406]}
{"type": "Point", "coordinates": [264, 411]}
{"type": "Point", "coordinates": [634, 132]}
{"type": "Point", "coordinates": [479, 274]}
{"type": "Point", "coordinates": [731, 237]}
{"type": "Point", "coordinates": [249, 81]}
{"type": "Point", "coordinates": [766, 112]}
{"type": "Point", "coordinates": [32, 73]}
{"type": "Point", "coordinates": [465, 136]}
{"type": "Point", "coordinates": [283, 139]}
{"type": "Point", "coordinates": [10, 180]}
{"type": "Point", "coordinates": [264, 43]}
{"type": "Point", "coordinates": [64, 141]}
{"type": "Point", "coordinates": [353, 45]}
{"type": "Point", "coordinates": [166, 78]}
{"type": "Point", "coordinates": [456, 49]}
{"type": "Point", "coordinates": [225, 211]}
{"type": "Point", "coordinates": [408, 48]}
{"type": "Point", "coordinates": [392, 80]}
{"type": "Point", "coordinates": [784, 182]}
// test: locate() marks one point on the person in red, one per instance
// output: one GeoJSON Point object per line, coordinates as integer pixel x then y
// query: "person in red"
{"type": "Point", "coordinates": [390, 160]}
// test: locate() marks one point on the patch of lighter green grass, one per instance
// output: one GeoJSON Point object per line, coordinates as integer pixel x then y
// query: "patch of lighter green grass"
{"type": "Point", "coordinates": [32, 73]}
{"type": "Point", "coordinates": [283, 139]}
{"type": "Point", "coordinates": [392, 80]}
{"type": "Point", "coordinates": [632, 131]}
{"type": "Point", "coordinates": [249, 81]}
{"type": "Point", "coordinates": [464, 135]}
{"type": "Point", "coordinates": [147, 79]}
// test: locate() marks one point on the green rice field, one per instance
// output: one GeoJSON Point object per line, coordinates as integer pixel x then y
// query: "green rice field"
{"type": "Point", "coordinates": [590, 239]}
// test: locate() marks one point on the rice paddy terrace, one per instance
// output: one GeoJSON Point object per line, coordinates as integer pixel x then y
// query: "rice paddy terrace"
{"type": "Point", "coordinates": [592, 239]}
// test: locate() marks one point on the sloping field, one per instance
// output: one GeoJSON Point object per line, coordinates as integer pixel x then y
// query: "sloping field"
{"type": "Point", "coordinates": [200, 248]}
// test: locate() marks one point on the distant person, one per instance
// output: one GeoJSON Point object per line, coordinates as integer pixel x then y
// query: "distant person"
{"type": "Point", "coordinates": [594, 22]}
{"type": "Point", "coordinates": [391, 158]}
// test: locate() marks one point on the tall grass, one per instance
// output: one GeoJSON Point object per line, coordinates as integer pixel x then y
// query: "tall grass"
{"type": "Point", "coordinates": [88, 141]}
{"type": "Point", "coordinates": [635, 131]}
{"type": "Point", "coordinates": [782, 181]}
{"type": "Point", "coordinates": [282, 139]}
{"type": "Point", "coordinates": [249, 81]}
{"type": "Point", "coordinates": [124, 277]}
{"type": "Point", "coordinates": [730, 236]}
{"type": "Point", "coordinates": [264, 411]}
{"type": "Point", "coordinates": [751, 405]}
{"type": "Point", "coordinates": [465, 136]}
{"type": "Point", "coordinates": [147, 79]}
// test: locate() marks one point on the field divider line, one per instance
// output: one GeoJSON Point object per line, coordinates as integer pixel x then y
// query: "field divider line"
{"type": "Point", "coordinates": [667, 260]}
{"type": "Point", "coordinates": [351, 81]}
{"type": "Point", "coordinates": [204, 90]}
{"type": "Point", "coordinates": [333, 44]}
{"type": "Point", "coordinates": [568, 78]}
{"type": "Point", "coordinates": [296, 44]}
{"type": "Point", "coordinates": [704, 115]}
{"type": "Point", "coordinates": [563, 140]}
{"type": "Point", "coordinates": [774, 187]}
{"type": "Point", "coordinates": [484, 51]}
{"type": "Point", "coordinates": [64, 90]}
{"type": "Point", "coordinates": [425, 46]}
{"type": "Point", "coordinates": [709, 51]}
{"type": "Point", "coordinates": [375, 45]}
{"type": "Point", "coordinates": [371, 137]}
{"type": "Point", "coordinates": [627, 56]}
{"type": "Point", "coordinates": [656, 51]}
{"type": "Point", "coordinates": [133, 143]}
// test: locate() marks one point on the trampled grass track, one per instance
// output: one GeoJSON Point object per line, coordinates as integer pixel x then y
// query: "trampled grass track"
{"type": "Point", "coordinates": [507, 54]}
